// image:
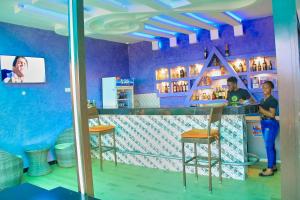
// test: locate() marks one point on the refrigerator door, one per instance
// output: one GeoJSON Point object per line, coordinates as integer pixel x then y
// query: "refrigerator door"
{"type": "Point", "coordinates": [109, 94]}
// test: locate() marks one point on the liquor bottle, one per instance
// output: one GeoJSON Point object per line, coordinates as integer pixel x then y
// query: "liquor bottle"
{"type": "Point", "coordinates": [224, 94]}
{"type": "Point", "coordinates": [204, 96]}
{"type": "Point", "coordinates": [253, 66]}
{"type": "Point", "coordinates": [166, 88]}
{"type": "Point", "coordinates": [236, 69]}
{"type": "Point", "coordinates": [240, 67]}
{"type": "Point", "coordinates": [205, 53]}
{"type": "Point", "coordinates": [218, 62]}
{"type": "Point", "coordinates": [217, 93]}
{"type": "Point", "coordinates": [223, 71]}
{"type": "Point", "coordinates": [221, 93]}
{"type": "Point", "coordinates": [213, 96]}
{"type": "Point", "coordinates": [270, 65]}
{"type": "Point", "coordinates": [181, 73]}
{"type": "Point", "coordinates": [192, 71]}
{"type": "Point", "coordinates": [208, 80]}
{"type": "Point", "coordinates": [227, 50]}
{"type": "Point", "coordinates": [264, 66]}
{"type": "Point", "coordinates": [180, 87]}
{"type": "Point", "coordinates": [185, 87]}
{"type": "Point", "coordinates": [244, 67]}
{"type": "Point", "coordinates": [259, 66]}
{"type": "Point", "coordinates": [215, 62]}
{"type": "Point", "coordinates": [174, 88]}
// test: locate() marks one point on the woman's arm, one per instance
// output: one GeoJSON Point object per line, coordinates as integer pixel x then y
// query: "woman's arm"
{"type": "Point", "coordinates": [268, 113]}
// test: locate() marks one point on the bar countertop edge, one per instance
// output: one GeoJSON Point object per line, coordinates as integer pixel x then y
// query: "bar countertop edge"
{"type": "Point", "coordinates": [228, 110]}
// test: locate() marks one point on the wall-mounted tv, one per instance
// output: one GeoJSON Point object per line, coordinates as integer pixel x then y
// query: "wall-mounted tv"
{"type": "Point", "coordinates": [21, 69]}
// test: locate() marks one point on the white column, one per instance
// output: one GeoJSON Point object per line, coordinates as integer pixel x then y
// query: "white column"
{"type": "Point", "coordinates": [79, 102]}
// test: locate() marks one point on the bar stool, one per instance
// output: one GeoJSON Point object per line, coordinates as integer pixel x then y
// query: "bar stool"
{"type": "Point", "coordinates": [204, 136]}
{"type": "Point", "coordinates": [102, 130]}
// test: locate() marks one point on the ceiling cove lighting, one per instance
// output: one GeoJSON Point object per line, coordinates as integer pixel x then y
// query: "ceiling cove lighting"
{"type": "Point", "coordinates": [41, 11]}
{"type": "Point", "coordinates": [195, 16]}
{"type": "Point", "coordinates": [144, 35]}
{"type": "Point", "coordinates": [153, 28]}
{"type": "Point", "coordinates": [175, 4]}
{"type": "Point", "coordinates": [234, 16]}
{"type": "Point", "coordinates": [168, 21]}
{"type": "Point", "coordinates": [120, 3]}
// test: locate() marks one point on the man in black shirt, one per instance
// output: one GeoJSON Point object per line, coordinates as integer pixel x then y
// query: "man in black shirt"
{"type": "Point", "coordinates": [235, 95]}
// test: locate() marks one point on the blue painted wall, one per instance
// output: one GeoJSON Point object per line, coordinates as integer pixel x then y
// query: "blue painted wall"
{"type": "Point", "coordinates": [40, 115]}
{"type": "Point", "coordinates": [258, 37]}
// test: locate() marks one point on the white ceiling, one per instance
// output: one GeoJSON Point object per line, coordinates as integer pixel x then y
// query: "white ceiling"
{"type": "Point", "coordinates": [130, 21]}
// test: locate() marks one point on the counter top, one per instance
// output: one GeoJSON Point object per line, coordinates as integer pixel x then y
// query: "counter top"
{"type": "Point", "coordinates": [229, 110]}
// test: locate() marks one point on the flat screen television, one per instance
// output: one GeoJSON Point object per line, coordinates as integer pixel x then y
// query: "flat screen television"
{"type": "Point", "coordinates": [21, 69]}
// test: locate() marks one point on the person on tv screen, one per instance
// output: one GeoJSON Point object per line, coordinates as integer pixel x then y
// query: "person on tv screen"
{"type": "Point", "coordinates": [236, 95]}
{"type": "Point", "coordinates": [17, 74]}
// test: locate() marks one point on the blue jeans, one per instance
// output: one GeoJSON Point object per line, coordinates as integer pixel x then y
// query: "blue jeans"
{"type": "Point", "coordinates": [270, 129]}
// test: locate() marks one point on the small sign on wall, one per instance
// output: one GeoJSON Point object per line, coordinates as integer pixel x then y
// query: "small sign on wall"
{"type": "Point", "coordinates": [256, 130]}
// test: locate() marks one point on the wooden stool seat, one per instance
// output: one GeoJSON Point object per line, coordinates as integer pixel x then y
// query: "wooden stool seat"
{"type": "Point", "coordinates": [102, 129]}
{"type": "Point", "coordinates": [200, 133]}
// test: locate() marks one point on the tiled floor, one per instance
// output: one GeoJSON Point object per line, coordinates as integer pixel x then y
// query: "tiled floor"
{"type": "Point", "coordinates": [127, 182]}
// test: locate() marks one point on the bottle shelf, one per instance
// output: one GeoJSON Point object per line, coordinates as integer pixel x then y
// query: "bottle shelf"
{"type": "Point", "coordinates": [263, 72]}
{"type": "Point", "coordinates": [218, 72]}
{"type": "Point", "coordinates": [214, 78]}
{"type": "Point", "coordinates": [180, 79]}
{"type": "Point", "coordinates": [242, 73]}
{"type": "Point", "coordinates": [122, 99]}
{"type": "Point", "coordinates": [176, 94]}
{"type": "Point", "coordinates": [204, 87]}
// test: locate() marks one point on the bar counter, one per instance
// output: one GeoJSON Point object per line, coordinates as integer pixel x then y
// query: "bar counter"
{"type": "Point", "coordinates": [150, 137]}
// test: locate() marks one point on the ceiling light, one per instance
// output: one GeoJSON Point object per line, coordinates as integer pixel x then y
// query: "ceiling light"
{"type": "Point", "coordinates": [195, 16]}
{"type": "Point", "coordinates": [234, 16]}
{"type": "Point", "coordinates": [153, 28]}
{"type": "Point", "coordinates": [145, 35]}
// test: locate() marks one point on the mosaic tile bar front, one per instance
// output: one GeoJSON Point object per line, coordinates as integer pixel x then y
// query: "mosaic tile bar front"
{"type": "Point", "coordinates": [154, 141]}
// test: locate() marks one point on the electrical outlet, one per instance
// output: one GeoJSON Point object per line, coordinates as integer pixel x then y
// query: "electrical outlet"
{"type": "Point", "coordinates": [67, 90]}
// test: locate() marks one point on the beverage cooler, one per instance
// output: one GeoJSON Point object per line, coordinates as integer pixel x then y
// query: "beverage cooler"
{"type": "Point", "coordinates": [117, 93]}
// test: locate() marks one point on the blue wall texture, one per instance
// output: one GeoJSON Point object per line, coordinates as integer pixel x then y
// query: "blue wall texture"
{"type": "Point", "coordinates": [258, 37]}
{"type": "Point", "coordinates": [40, 115]}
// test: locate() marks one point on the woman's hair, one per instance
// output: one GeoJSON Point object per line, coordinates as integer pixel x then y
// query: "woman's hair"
{"type": "Point", "coordinates": [16, 60]}
{"type": "Point", "coordinates": [270, 83]}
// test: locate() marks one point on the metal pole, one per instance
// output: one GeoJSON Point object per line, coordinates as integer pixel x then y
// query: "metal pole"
{"type": "Point", "coordinates": [78, 91]}
{"type": "Point", "coordinates": [287, 53]}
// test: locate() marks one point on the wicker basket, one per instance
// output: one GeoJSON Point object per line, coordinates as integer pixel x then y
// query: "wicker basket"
{"type": "Point", "coordinates": [38, 163]}
{"type": "Point", "coordinates": [65, 154]}
{"type": "Point", "coordinates": [64, 149]}
{"type": "Point", "coordinates": [11, 170]}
